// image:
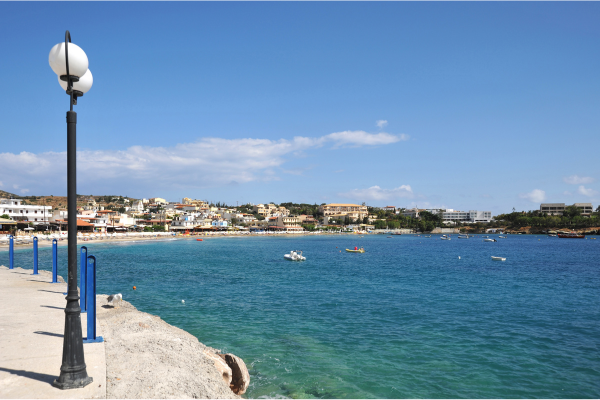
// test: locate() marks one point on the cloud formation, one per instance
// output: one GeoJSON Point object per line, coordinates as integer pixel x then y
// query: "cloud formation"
{"type": "Point", "coordinates": [382, 123]}
{"type": "Point", "coordinates": [586, 192]}
{"type": "Point", "coordinates": [578, 180]}
{"type": "Point", "coordinates": [204, 163]}
{"type": "Point", "coordinates": [376, 193]}
{"type": "Point", "coordinates": [535, 196]}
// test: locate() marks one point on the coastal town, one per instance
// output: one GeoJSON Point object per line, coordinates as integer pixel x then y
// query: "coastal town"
{"type": "Point", "coordinates": [118, 214]}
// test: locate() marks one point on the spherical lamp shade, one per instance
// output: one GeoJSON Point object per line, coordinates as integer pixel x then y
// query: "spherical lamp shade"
{"type": "Point", "coordinates": [78, 61]}
{"type": "Point", "coordinates": [84, 84]}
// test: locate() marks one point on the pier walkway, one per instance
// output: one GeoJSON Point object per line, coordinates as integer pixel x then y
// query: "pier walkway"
{"type": "Point", "coordinates": [31, 339]}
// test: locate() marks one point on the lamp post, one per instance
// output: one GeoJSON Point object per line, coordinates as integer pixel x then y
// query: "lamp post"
{"type": "Point", "coordinates": [76, 79]}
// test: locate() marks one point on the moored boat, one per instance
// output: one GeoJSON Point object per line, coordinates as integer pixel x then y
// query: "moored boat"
{"type": "Point", "coordinates": [498, 258]}
{"type": "Point", "coordinates": [295, 255]}
{"type": "Point", "coordinates": [572, 235]}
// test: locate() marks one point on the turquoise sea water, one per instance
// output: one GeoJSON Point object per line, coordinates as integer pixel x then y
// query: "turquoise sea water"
{"type": "Point", "coordinates": [407, 319]}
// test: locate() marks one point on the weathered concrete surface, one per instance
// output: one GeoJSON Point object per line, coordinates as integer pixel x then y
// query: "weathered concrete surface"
{"type": "Point", "coordinates": [31, 339]}
{"type": "Point", "coordinates": [150, 359]}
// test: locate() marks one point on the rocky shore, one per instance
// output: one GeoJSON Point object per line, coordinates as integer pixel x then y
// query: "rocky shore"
{"type": "Point", "coordinates": [148, 358]}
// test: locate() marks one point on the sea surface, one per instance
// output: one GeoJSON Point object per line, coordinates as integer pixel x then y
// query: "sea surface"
{"type": "Point", "coordinates": [413, 317]}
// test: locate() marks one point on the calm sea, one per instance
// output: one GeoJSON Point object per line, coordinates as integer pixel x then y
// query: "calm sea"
{"type": "Point", "coordinates": [407, 319]}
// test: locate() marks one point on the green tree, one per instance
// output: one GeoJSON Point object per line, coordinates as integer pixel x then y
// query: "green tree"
{"type": "Point", "coordinates": [5, 216]}
{"type": "Point", "coordinates": [572, 211]}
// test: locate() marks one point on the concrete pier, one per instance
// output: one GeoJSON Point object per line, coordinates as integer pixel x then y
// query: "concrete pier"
{"type": "Point", "coordinates": [31, 339]}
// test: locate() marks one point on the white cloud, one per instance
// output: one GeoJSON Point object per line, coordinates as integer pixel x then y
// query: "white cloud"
{"type": "Point", "coordinates": [382, 123]}
{"type": "Point", "coordinates": [362, 138]}
{"type": "Point", "coordinates": [578, 180]}
{"type": "Point", "coordinates": [567, 193]}
{"type": "Point", "coordinates": [1, 184]}
{"type": "Point", "coordinates": [204, 163]}
{"type": "Point", "coordinates": [375, 193]}
{"type": "Point", "coordinates": [535, 196]}
{"type": "Point", "coordinates": [23, 191]}
{"type": "Point", "coordinates": [586, 192]}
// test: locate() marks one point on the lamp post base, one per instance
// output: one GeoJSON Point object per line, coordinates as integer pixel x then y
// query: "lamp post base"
{"type": "Point", "coordinates": [72, 384]}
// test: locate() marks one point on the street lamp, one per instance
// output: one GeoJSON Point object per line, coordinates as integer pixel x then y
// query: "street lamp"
{"type": "Point", "coordinates": [76, 79]}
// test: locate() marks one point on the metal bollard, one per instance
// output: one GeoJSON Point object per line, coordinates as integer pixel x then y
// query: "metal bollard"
{"type": "Point", "coordinates": [83, 279]}
{"type": "Point", "coordinates": [35, 256]}
{"type": "Point", "coordinates": [11, 252]}
{"type": "Point", "coordinates": [91, 301]}
{"type": "Point", "coordinates": [54, 261]}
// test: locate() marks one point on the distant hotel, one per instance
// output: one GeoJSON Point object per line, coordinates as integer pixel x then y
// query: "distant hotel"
{"type": "Point", "coordinates": [452, 216]}
{"type": "Point", "coordinates": [335, 210]}
{"type": "Point", "coordinates": [559, 208]}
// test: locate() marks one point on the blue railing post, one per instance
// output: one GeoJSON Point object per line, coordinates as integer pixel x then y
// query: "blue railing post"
{"type": "Point", "coordinates": [35, 256]}
{"type": "Point", "coordinates": [54, 261]}
{"type": "Point", "coordinates": [83, 282]}
{"type": "Point", "coordinates": [91, 302]}
{"type": "Point", "coordinates": [11, 252]}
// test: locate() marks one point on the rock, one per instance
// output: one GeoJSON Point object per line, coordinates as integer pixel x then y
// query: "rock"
{"type": "Point", "coordinates": [220, 365]}
{"type": "Point", "coordinates": [241, 376]}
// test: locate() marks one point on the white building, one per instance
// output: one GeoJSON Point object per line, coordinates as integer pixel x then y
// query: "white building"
{"type": "Point", "coordinates": [25, 213]}
{"type": "Point", "coordinates": [184, 222]}
{"type": "Point", "coordinates": [466, 216]}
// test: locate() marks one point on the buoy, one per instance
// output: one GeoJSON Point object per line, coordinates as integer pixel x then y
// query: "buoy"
{"type": "Point", "coordinates": [183, 301]}
{"type": "Point", "coordinates": [200, 240]}
{"type": "Point", "coordinates": [134, 288]}
{"type": "Point", "coordinates": [459, 257]}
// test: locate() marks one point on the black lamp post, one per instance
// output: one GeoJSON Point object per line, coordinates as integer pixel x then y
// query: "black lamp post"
{"type": "Point", "coordinates": [75, 77]}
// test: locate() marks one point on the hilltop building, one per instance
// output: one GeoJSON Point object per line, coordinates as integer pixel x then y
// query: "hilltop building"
{"type": "Point", "coordinates": [559, 208]}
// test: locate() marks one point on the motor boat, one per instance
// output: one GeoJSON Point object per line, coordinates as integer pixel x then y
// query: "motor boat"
{"type": "Point", "coordinates": [463, 236]}
{"type": "Point", "coordinates": [498, 258]}
{"type": "Point", "coordinates": [502, 237]}
{"type": "Point", "coordinates": [489, 240]}
{"type": "Point", "coordinates": [444, 237]}
{"type": "Point", "coordinates": [295, 255]}
{"type": "Point", "coordinates": [572, 235]}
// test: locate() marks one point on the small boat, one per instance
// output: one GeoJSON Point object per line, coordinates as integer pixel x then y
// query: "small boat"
{"type": "Point", "coordinates": [444, 237]}
{"type": "Point", "coordinates": [463, 236]}
{"type": "Point", "coordinates": [489, 240]}
{"type": "Point", "coordinates": [552, 235]}
{"type": "Point", "coordinates": [427, 236]}
{"type": "Point", "coordinates": [502, 237]}
{"type": "Point", "coordinates": [498, 258]}
{"type": "Point", "coordinates": [295, 255]}
{"type": "Point", "coordinates": [361, 250]}
{"type": "Point", "coordinates": [390, 237]}
{"type": "Point", "coordinates": [485, 236]}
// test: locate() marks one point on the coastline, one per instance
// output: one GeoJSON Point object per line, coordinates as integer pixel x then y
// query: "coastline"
{"type": "Point", "coordinates": [143, 356]}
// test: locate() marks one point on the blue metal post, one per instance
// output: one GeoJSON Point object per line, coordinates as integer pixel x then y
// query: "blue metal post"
{"type": "Point", "coordinates": [54, 261]}
{"type": "Point", "coordinates": [91, 301]}
{"type": "Point", "coordinates": [35, 256]}
{"type": "Point", "coordinates": [11, 252]}
{"type": "Point", "coordinates": [83, 282]}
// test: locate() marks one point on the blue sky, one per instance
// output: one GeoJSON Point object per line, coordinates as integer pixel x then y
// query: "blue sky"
{"type": "Point", "coordinates": [483, 106]}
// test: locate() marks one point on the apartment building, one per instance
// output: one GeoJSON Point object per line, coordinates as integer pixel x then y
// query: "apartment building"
{"type": "Point", "coordinates": [354, 211]}
{"type": "Point", "coordinates": [290, 224]}
{"type": "Point", "coordinates": [25, 212]}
